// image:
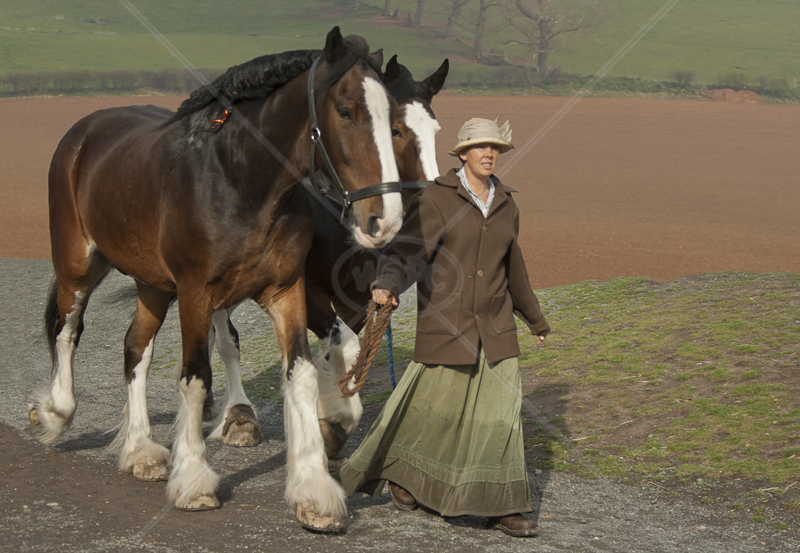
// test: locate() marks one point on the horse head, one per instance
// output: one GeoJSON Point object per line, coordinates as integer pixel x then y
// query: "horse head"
{"type": "Point", "coordinates": [355, 113]}
{"type": "Point", "coordinates": [415, 126]}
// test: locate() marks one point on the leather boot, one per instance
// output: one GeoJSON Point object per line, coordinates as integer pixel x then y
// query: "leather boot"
{"type": "Point", "coordinates": [514, 525]}
{"type": "Point", "coordinates": [401, 498]}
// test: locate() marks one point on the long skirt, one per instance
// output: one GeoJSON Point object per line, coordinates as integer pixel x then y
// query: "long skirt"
{"type": "Point", "coordinates": [452, 437]}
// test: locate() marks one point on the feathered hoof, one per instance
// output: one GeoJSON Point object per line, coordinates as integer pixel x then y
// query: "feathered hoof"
{"type": "Point", "coordinates": [241, 427]}
{"type": "Point", "coordinates": [310, 520]}
{"type": "Point", "coordinates": [201, 503]}
{"type": "Point", "coordinates": [150, 471]}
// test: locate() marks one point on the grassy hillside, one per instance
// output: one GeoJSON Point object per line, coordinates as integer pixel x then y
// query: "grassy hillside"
{"type": "Point", "coordinates": [708, 37]}
{"type": "Point", "coordinates": [102, 34]}
{"type": "Point", "coordinates": [711, 38]}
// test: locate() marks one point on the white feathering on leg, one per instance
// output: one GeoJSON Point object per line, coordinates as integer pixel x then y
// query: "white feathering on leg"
{"type": "Point", "coordinates": [191, 477]}
{"type": "Point", "coordinates": [307, 482]}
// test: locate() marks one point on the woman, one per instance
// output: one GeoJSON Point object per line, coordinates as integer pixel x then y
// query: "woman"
{"type": "Point", "coordinates": [450, 436]}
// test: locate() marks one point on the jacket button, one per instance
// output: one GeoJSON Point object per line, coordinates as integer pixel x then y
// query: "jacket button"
{"type": "Point", "coordinates": [480, 272]}
{"type": "Point", "coordinates": [485, 228]}
{"type": "Point", "coordinates": [477, 317]}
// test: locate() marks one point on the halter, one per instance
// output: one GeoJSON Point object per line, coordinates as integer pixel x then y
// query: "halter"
{"type": "Point", "coordinates": [341, 196]}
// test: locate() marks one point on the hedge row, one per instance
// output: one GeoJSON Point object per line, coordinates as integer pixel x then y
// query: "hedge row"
{"type": "Point", "coordinates": [511, 77]}
{"type": "Point", "coordinates": [682, 82]}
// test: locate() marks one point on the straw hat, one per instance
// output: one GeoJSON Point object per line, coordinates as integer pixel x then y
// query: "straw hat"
{"type": "Point", "coordinates": [483, 131]}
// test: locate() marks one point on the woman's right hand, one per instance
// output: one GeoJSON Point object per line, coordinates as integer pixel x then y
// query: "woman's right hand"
{"type": "Point", "coordinates": [382, 297]}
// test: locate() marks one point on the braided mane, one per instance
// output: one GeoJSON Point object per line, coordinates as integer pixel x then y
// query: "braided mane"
{"type": "Point", "coordinates": [260, 77]}
{"type": "Point", "coordinates": [252, 80]}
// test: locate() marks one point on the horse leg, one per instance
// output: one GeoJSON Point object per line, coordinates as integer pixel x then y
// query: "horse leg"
{"type": "Point", "coordinates": [339, 346]}
{"type": "Point", "coordinates": [138, 453]}
{"type": "Point", "coordinates": [318, 500]}
{"type": "Point", "coordinates": [51, 408]}
{"type": "Point", "coordinates": [192, 483]}
{"type": "Point", "coordinates": [238, 424]}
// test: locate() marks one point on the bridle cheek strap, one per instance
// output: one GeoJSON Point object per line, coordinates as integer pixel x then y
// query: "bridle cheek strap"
{"type": "Point", "coordinates": [346, 198]}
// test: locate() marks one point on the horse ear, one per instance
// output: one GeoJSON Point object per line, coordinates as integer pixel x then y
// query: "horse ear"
{"type": "Point", "coordinates": [334, 45]}
{"type": "Point", "coordinates": [436, 81]}
{"type": "Point", "coordinates": [376, 59]}
{"type": "Point", "coordinates": [392, 72]}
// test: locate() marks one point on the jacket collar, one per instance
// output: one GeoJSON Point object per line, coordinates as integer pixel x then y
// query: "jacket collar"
{"type": "Point", "coordinates": [501, 191]}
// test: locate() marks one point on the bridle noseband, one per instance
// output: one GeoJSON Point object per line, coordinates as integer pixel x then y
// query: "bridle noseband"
{"type": "Point", "coordinates": [341, 196]}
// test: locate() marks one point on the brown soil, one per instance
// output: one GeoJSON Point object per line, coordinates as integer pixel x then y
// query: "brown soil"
{"type": "Point", "coordinates": [618, 187]}
{"type": "Point", "coordinates": [735, 96]}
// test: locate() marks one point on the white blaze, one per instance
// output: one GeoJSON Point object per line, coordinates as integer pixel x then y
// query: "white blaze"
{"type": "Point", "coordinates": [425, 127]}
{"type": "Point", "coordinates": [378, 106]}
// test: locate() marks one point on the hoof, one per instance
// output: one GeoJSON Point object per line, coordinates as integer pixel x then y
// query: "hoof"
{"type": "Point", "coordinates": [150, 471]}
{"type": "Point", "coordinates": [34, 418]}
{"type": "Point", "coordinates": [241, 427]}
{"type": "Point", "coordinates": [312, 521]}
{"type": "Point", "coordinates": [201, 503]}
{"type": "Point", "coordinates": [336, 464]}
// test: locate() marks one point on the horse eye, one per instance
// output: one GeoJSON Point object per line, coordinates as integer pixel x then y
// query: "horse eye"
{"type": "Point", "coordinates": [345, 113]}
{"type": "Point", "coordinates": [396, 133]}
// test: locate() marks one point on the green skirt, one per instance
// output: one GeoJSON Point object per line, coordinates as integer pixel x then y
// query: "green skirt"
{"type": "Point", "coordinates": [451, 436]}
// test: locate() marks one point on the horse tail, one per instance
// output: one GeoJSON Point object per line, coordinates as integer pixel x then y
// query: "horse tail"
{"type": "Point", "coordinates": [52, 319]}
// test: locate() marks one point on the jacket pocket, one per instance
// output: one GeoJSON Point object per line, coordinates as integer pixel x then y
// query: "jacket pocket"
{"type": "Point", "coordinates": [440, 314]}
{"type": "Point", "coordinates": [501, 313]}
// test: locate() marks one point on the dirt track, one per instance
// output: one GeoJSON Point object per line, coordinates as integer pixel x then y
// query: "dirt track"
{"type": "Point", "coordinates": [618, 187]}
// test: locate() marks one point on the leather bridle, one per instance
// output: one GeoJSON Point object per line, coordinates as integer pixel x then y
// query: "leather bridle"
{"type": "Point", "coordinates": [340, 195]}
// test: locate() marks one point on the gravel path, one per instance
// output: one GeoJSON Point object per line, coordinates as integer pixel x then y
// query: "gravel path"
{"type": "Point", "coordinates": [70, 496]}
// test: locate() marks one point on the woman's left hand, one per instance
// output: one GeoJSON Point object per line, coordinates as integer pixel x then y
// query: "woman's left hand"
{"type": "Point", "coordinates": [541, 339]}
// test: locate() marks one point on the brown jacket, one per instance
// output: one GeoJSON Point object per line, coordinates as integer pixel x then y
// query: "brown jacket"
{"type": "Point", "coordinates": [470, 274]}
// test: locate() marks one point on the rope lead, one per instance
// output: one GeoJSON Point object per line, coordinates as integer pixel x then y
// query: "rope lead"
{"type": "Point", "coordinates": [377, 323]}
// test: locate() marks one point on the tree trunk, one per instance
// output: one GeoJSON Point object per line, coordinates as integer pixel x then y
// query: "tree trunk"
{"type": "Point", "coordinates": [418, 14]}
{"type": "Point", "coordinates": [480, 29]}
{"type": "Point", "coordinates": [387, 8]}
{"type": "Point", "coordinates": [451, 24]}
{"type": "Point", "coordinates": [453, 13]}
{"type": "Point", "coordinates": [543, 53]}
{"type": "Point", "coordinates": [541, 62]}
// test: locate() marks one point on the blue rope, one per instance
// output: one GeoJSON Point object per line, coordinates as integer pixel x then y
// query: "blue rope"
{"type": "Point", "coordinates": [390, 355]}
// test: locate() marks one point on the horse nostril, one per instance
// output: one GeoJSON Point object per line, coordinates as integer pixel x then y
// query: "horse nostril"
{"type": "Point", "coordinates": [374, 226]}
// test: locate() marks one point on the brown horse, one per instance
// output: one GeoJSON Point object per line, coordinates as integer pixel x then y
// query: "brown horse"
{"type": "Point", "coordinates": [203, 204]}
{"type": "Point", "coordinates": [338, 275]}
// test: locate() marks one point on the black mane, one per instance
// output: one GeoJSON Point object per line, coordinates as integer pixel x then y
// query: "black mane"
{"type": "Point", "coordinates": [252, 80]}
{"type": "Point", "coordinates": [260, 77]}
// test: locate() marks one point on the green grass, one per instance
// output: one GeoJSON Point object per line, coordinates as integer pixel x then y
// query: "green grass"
{"type": "Point", "coordinates": [710, 38]}
{"type": "Point", "coordinates": [102, 34]}
{"type": "Point", "coordinates": [669, 382]}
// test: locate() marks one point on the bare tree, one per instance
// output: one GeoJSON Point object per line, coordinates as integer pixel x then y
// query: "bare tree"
{"type": "Point", "coordinates": [453, 13]}
{"type": "Point", "coordinates": [388, 6]}
{"type": "Point", "coordinates": [418, 14]}
{"type": "Point", "coordinates": [544, 22]}
{"type": "Point", "coordinates": [480, 27]}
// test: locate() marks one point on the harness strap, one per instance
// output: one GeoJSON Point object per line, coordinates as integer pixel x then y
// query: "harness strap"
{"type": "Point", "coordinates": [316, 136]}
{"type": "Point", "coordinates": [345, 198]}
{"type": "Point", "coordinates": [322, 198]}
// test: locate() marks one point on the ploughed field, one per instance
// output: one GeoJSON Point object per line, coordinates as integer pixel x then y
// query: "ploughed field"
{"type": "Point", "coordinates": [616, 187]}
